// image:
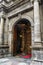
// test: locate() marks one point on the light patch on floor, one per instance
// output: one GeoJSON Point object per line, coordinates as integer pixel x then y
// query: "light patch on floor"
{"type": "Point", "coordinates": [22, 63]}
{"type": "Point", "coordinates": [14, 61]}
{"type": "Point", "coordinates": [4, 59]}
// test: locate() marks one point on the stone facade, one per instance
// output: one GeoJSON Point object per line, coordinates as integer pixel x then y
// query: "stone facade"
{"type": "Point", "coordinates": [10, 13]}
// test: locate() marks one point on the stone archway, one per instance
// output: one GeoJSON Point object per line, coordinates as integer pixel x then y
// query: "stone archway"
{"type": "Point", "coordinates": [22, 37]}
{"type": "Point", "coordinates": [10, 38]}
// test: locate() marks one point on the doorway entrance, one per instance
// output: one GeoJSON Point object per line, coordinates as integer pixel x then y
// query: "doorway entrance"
{"type": "Point", "coordinates": [22, 37]}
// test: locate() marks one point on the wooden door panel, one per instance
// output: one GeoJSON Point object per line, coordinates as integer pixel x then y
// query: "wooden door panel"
{"type": "Point", "coordinates": [28, 40]}
{"type": "Point", "coordinates": [15, 41]}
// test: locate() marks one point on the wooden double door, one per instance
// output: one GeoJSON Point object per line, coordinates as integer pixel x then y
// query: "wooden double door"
{"type": "Point", "coordinates": [21, 39]}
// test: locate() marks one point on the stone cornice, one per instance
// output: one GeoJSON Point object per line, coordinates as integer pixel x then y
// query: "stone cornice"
{"type": "Point", "coordinates": [21, 10]}
{"type": "Point", "coordinates": [12, 7]}
{"type": "Point", "coordinates": [15, 9]}
{"type": "Point", "coordinates": [3, 8]}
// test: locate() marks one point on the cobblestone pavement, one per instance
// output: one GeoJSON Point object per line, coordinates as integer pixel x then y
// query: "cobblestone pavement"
{"type": "Point", "coordinates": [14, 61]}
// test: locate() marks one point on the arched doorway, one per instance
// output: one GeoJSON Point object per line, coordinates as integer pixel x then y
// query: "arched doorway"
{"type": "Point", "coordinates": [22, 37]}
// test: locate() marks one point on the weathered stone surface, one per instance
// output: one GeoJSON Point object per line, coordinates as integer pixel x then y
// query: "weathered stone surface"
{"type": "Point", "coordinates": [14, 61]}
{"type": "Point", "coordinates": [28, 15]}
{"type": "Point", "coordinates": [22, 63]}
{"type": "Point", "coordinates": [36, 63]}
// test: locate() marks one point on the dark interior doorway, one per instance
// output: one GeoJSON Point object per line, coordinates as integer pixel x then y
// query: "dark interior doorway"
{"type": "Point", "coordinates": [22, 37]}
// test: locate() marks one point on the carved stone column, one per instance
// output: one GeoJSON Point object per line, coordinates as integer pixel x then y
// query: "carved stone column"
{"type": "Point", "coordinates": [10, 38]}
{"type": "Point", "coordinates": [37, 32]}
{"type": "Point", "coordinates": [36, 49]}
{"type": "Point", "coordinates": [6, 31]}
{"type": "Point", "coordinates": [10, 35]}
{"type": "Point", "coordinates": [2, 31]}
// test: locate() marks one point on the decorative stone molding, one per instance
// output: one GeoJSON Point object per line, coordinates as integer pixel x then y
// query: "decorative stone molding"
{"type": "Point", "coordinates": [11, 7]}
{"type": "Point", "coordinates": [3, 8]}
{"type": "Point", "coordinates": [20, 9]}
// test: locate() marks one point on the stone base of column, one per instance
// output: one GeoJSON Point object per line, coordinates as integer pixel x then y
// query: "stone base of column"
{"type": "Point", "coordinates": [37, 55]}
{"type": "Point", "coordinates": [37, 60]}
{"type": "Point", "coordinates": [36, 63]}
